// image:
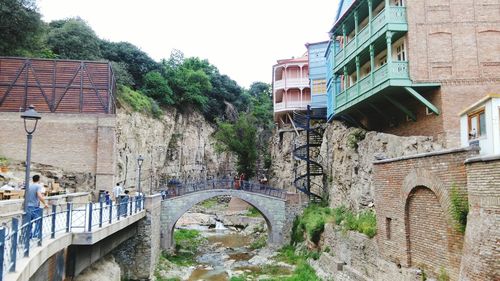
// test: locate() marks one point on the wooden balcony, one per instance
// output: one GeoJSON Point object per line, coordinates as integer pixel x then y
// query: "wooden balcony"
{"type": "Point", "coordinates": [391, 74]}
{"type": "Point", "coordinates": [389, 19]}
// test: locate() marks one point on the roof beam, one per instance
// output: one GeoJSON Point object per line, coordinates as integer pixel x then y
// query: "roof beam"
{"type": "Point", "coordinates": [423, 100]}
{"type": "Point", "coordinates": [401, 107]}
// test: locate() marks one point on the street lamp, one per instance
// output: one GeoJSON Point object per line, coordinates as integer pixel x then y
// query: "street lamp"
{"type": "Point", "coordinates": [29, 116]}
{"type": "Point", "coordinates": [140, 159]}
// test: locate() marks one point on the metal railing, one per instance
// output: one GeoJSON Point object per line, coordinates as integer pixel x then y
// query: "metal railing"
{"type": "Point", "coordinates": [17, 240]}
{"type": "Point", "coordinates": [248, 186]}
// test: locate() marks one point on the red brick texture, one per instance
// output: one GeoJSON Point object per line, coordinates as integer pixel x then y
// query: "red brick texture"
{"type": "Point", "coordinates": [412, 193]}
{"type": "Point", "coordinates": [481, 258]}
{"type": "Point", "coordinates": [454, 43]}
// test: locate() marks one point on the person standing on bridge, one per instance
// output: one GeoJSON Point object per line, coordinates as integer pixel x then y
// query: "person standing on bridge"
{"type": "Point", "coordinates": [117, 191]}
{"type": "Point", "coordinates": [33, 198]}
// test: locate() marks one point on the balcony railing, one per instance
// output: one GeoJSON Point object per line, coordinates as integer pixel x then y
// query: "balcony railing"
{"type": "Point", "coordinates": [291, 105]}
{"type": "Point", "coordinates": [398, 71]}
{"type": "Point", "coordinates": [392, 15]}
{"type": "Point", "coordinates": [292, 83]}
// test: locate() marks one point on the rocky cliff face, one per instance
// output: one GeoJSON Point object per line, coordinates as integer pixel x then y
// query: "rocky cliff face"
{"type": "Point", "coordinates": [346, 155]}
{"type": "Point", "coordinates": [175, 146]}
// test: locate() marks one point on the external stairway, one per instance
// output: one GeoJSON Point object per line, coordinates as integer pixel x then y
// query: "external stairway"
{"type": "Point", "coordinates": [310, 154]}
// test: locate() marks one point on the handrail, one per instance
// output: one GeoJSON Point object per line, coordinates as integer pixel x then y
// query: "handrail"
{"type": "Point", "coordinates": [230, 184]}
{"type": "Point", "coordinates": [16, 240]}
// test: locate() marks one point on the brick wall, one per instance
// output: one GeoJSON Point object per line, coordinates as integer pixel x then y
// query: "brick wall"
{"type": "Point", "coordinates": [80, 143]}
{"type": "Point", "coordinates": [455, 43]}
{"type": "Point", "coordinates": [481, 256]}
{"type": "Point", "coordinates": [412, 201]}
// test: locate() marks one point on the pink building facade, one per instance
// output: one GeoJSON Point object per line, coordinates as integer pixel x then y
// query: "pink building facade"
{"type": "Point", "coordinates": [291, 91]}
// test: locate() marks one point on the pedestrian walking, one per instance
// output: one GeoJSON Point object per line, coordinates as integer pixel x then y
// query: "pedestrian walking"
{"type": "Point", "coordinates": [33, 211]}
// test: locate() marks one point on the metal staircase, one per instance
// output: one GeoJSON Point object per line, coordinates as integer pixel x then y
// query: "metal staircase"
{"type": "Point", "coordinates": [309, 153]}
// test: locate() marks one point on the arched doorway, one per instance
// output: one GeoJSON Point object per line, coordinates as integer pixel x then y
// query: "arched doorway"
{"type": "Point", "coordinates": [426, 230]}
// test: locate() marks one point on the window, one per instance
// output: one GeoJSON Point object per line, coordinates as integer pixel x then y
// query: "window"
{"type": "Point", "coordinates": [388, 228]}
{"type": "Point", "coordinates": [399, 3]}
{"type": "Point", "coordinates": [477, 124]}
{"type": "Point", "coordinates": [401, 51]}
{"type": "Point", "coordinates": [428, 111]}
{"type": "Point", "coordinates": [382, 60]}
{"type": "Point", "coordinates": [318, 87]}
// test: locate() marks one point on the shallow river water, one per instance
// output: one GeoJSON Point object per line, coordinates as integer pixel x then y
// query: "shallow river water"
{"type": "Point", "coordinates": [227, 254]}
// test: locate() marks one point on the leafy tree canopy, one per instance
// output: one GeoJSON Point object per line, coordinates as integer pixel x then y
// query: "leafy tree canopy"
{"type": "Point", "coordinates": [20, 27]}
{"type": "Point", "coordinates": [240, 138]}
{"type": "Point", "coordinates": [73, 39]}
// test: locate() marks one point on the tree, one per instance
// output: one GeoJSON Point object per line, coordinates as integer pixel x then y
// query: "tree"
{"type": "Point", "coordinates": [20, 26]}
{"type": "Point", "coordinates": [156, 87]}
{"type": "Point", "coordinates": [137, 62]}
{"type": "Point", "coordinates": [73, 39]}
{"type": "Point", "coordinates": [239, 138]}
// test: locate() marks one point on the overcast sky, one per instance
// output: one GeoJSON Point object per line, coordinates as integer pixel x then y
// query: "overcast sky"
{"type": "Point", "coordinates": [242, 38]}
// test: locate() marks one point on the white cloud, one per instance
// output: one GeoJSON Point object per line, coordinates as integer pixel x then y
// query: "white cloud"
{"type": "Point", "coordinates": [242, 38]}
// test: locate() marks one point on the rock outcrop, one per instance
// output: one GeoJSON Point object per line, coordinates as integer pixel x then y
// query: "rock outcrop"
{"type": "Point", "coordinates": [346, 155]}
{"type": "Point", "coordinates": [179, 145]}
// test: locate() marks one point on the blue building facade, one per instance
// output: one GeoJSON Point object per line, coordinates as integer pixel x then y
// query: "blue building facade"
{"type": "Point", "coordinates": [317, 73]}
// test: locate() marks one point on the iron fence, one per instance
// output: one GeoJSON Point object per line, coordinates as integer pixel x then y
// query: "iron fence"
{"type": "Point", "coordinates": [249, 186]}
{"type": "Point", "coordinates": [17, 240]}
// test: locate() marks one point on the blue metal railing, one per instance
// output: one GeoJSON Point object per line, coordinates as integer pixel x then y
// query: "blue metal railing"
{"type": "Point", "coordinates": [190, 187]}
{"type": "Point", "coordinates": [16, 242]}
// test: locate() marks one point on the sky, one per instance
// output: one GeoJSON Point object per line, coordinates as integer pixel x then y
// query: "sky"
{"type": "Point", "coordinates": [243, 39]}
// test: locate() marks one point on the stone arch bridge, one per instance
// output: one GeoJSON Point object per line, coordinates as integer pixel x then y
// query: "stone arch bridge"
{"type": "Point", "coordinates": [278, 207]}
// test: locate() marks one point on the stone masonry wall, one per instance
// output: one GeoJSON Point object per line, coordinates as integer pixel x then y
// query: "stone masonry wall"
{"type": "Point", "coordinates": [77, 143]}
{"type": "Point", "coordinates": [481, 254]}
{"type": "Point", "coordinates": [412, 201]}
{"type": "Point", "coordinates": [139, 255]}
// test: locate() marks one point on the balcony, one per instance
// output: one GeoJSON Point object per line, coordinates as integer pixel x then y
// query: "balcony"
{"type": "Point", "coordinates": [390, 19]}
{"type": "Point", "coordinates": [292, 83]}
{"type": "Point", "coordinates": [391, 74]}
{"type": "Point", "coordinates": [291, 105]}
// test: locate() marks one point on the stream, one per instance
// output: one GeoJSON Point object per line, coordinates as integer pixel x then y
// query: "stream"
{"type": "Point", "coordinates": [227, 250]}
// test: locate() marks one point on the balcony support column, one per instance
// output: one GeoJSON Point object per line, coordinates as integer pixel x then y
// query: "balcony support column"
{"type": "Point", "coordinates": [356, 18]}
{"type": "Point", "coordinates": [388, 39]}
{"type": "Point", "coordinates": [370, 16]}
{"type": "Point", "coordinates": [344, 39]}
{"type": "Point", "coordinates": [357, 74]}
{"type": "Point", "coordinates": [372, 63]}
{"type": "Point", "coordinates": [345, 78]}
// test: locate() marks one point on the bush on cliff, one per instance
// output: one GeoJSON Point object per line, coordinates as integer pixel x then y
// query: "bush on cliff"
{"type": "Point", "coordinates": [312, 222]}
{"type": "Point", "coordinates": [138, 102]}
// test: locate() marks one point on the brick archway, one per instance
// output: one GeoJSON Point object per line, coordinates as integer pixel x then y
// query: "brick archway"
{"type": "Point", "coordinates": [426, 229]}
{"type": "Point", "coordinates": [422, 177]}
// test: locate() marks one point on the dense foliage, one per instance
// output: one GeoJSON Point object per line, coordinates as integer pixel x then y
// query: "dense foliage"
{"type": "Point", "coordinates": [311, 223]}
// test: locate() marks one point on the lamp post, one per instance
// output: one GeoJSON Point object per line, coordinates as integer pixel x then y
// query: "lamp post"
{"type": "Point", "coordinates": [29, 116]}
{"type": "Point", "coordinates": [140, 159]}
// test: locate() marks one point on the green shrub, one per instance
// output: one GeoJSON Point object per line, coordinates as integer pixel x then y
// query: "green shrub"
{"type": "Point", "coordinates": [355, 137]}
{"type": "Point", "coordinates": [459, 208]}
{"type": "Point", "coordinates": [259, 243]}
{"type": "Point", "coordinates": [253, 212]}
{"type": "Point", "coordinates": [187, 242]}
{"type": "Point", "coordinates": [139, 102]}
{"type": "Point", "coordinates": [443, 275]}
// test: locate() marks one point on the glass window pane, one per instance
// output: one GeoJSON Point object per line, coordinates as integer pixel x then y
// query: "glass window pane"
{"type": "Point", "coordinates": [473, 127]}
{"type": "Point", "coordinates": [482, 124]}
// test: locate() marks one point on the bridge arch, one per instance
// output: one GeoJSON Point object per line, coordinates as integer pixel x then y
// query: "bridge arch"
{"type": "Point", "coordinates": [271, 208]}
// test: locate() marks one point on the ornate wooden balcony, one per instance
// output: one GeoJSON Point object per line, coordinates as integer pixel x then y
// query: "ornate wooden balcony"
{"type": "Point", "coordinates": [391, 74]}
{"type": "Point", "coordinates": [390, 19]}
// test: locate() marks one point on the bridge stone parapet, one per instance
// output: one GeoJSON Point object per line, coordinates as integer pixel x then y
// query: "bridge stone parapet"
{"type": "Point", "coordinates": [278, 212]}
